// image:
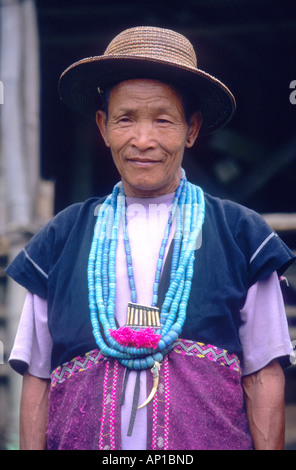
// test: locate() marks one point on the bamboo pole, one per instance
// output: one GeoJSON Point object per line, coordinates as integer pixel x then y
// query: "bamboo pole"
{"type": "Point", "coordinates": [19, 156]}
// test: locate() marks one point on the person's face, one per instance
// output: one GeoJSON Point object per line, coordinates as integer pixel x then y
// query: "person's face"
{"type": "Point", "coordinates": [147, 133]}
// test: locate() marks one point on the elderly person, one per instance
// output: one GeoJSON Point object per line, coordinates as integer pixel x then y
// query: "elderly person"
{"type": "Point", "coordinates": [156, 311]}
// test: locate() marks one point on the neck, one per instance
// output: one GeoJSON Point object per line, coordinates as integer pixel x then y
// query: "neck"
{"type": "Point", "coordinates": [168, 188]}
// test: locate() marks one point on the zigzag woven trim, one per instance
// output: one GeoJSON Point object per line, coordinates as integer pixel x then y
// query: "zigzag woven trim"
{"type": "Point", "coordinates": [181, 346]}
{"type": "Point", "coordinates": [213, 353]}
{"type": "Point", "coordinates": [78, 364]}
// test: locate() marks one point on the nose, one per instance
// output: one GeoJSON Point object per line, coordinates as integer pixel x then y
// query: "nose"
{"type": "Point", "coordinates": [143, 138]}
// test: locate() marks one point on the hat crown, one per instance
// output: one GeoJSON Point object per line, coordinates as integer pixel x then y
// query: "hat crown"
{"type": "Point", "coordinates": [154, 44]}
{"type": "Point", "coordinates": [147, 52]}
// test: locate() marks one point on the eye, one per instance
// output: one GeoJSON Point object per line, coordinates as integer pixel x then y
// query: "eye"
{"type": "Point", "coordinates": [124, 119]}
{"type": "Point", "coordinates": [163, 121]}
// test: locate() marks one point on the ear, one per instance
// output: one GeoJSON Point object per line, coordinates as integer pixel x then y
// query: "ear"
{"type": "Point", "coordinates": [194, 127]}
{"type": "Point", "coordinates": [101, 120]}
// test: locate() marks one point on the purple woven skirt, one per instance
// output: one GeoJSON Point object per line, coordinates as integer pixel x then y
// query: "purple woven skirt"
{"type": "Point", "coordinates": [199, 404]}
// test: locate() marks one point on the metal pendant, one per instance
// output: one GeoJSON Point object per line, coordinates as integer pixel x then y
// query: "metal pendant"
{"type": "Point", "coordinates": [139, 316]}
{"type": "Point", "coordinates": [155, 371]}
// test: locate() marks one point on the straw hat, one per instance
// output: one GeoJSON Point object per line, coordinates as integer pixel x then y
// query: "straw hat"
{"type": "Point", "coordinates": [147, 52]}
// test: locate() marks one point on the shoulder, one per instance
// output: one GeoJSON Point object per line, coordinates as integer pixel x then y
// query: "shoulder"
{"type": "Point", "coordinates": [233, 221]}
{"type": "Point", "coordinates": [230, 211]}
{"type": "Point", "coordinates": [243, 222]}
{"type": "Point", "coordinates": [235, 225]}
{"type": "Point", "coordinates": [76, 211]}
{"type": "Point", "coordinates": [72, 218]}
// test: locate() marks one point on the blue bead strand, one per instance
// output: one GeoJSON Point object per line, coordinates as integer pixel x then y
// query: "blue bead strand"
{"type": "Point", "coordinates": [189, 203]}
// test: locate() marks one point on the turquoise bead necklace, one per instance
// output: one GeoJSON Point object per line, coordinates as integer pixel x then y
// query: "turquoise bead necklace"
{"type": "Point", "coordinates": [188, 208]}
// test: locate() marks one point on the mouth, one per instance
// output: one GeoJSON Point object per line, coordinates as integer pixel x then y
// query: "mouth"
{"type": "Point", "coordinates": [142, 162]}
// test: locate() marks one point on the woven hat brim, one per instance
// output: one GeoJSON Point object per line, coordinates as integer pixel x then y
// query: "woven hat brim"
{"type": "Point", "coordinates": [78, 85]}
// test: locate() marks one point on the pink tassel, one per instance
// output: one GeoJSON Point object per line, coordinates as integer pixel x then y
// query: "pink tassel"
{"type": "Point", "coordinates": [145, 338]}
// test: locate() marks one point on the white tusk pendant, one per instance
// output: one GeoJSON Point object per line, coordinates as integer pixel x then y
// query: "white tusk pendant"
{"type": "Point", "coordinates": [155, 371]}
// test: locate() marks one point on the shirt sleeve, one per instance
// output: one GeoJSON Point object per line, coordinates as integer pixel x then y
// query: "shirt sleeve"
{"type": "Point", "coordinates": [264, 332]}
{"type": "Point", "coordinates": [33, 343]}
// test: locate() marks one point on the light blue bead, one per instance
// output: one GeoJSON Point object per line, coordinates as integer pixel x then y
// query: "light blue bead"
{"type": "Point", "coordinates": [173, 335]}
{"type": "Point", "coordinates": [154, 299]}
{"type": "Point", "coordinates": [161, 345]}
{"type": "Point", "coordinates": [158, 357]}
{"type": "Point", "coordinates": [130, 364]}
{"type": "Point", "coordinates": [177, 328]}
{"type": "Point", "coordinates": [137, 364]}
{"type": "Point", "coordinates": [150, 361]}
{"type": "Point", "coordinates": [167, 339]}
{"type": "Point", "coordinates": [157, 276]}
{"type": "Point", "coordinates": [140, 351]}
{"type": "Point", "coordinates": [159, 264]}
{"type": "Point", "coordinates": [143, 364]}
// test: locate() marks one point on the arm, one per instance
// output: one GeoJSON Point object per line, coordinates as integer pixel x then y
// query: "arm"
{"type": "Point", "coordinates": [264, 398]}
{"type": "Point", "coordinates": [33, 413]}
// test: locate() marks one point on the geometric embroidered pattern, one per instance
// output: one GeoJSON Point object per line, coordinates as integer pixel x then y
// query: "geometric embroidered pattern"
{"type": "Point", "coordinates": [78, 364]}
{"type": "Point", "coordinates": [213, 353]}
{"type": "Point", "coordinates": [181, 346]}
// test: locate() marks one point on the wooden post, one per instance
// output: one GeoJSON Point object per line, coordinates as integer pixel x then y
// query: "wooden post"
{"type": "Point", "coordinates": [19, 128]}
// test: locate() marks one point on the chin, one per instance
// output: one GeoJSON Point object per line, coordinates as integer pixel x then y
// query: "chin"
{"type": "Point", "coordinates": [142, 188]}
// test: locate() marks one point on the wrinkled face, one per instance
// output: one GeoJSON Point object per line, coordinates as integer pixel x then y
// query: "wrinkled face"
{"type": "Point", "coordinates": [147, 133]}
